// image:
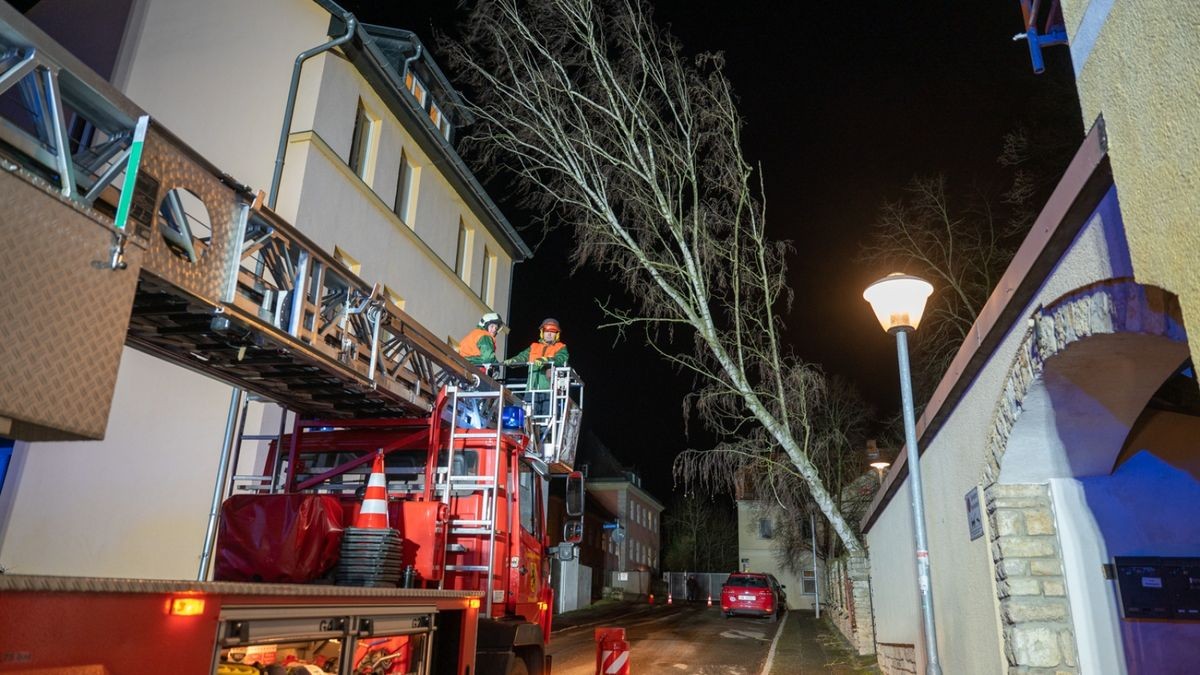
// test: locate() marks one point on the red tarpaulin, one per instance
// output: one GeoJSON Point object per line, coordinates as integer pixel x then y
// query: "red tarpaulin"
{"type": "Point", "coordinates": [278, 538]}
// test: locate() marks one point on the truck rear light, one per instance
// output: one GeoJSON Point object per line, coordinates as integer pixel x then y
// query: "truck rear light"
{"type": "Point", "coordinates": [473, 603]}
{"type": "Point", "coordinates": [187, 606]}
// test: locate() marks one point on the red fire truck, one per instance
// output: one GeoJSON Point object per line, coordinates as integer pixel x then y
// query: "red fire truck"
{"type": "Point", "coordinates": [469, 503]}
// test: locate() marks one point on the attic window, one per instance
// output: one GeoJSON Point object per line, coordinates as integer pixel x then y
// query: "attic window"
{"type": "Point", "coordinates": [440, 120]}
{"type": "Point", "coordinates": [414, 85]}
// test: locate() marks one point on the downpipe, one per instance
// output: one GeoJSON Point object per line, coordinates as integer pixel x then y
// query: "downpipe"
{"type": "Point", "coordinates": [289, 109]}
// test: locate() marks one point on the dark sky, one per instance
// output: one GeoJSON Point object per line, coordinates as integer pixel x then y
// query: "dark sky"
{"type": "Point", "coordinates": [844, 104]}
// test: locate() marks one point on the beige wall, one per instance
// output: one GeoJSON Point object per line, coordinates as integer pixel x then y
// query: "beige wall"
{"type": "Point", "coordinates": [1138, 65]}
{"type": "Point", "coordinates": [757, 554]}
{"type": "Point", "coordinates": [969, 638]}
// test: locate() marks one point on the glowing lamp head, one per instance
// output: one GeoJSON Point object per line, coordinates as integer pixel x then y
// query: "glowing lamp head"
{"type": "Point", "coordinates": [898, 301]}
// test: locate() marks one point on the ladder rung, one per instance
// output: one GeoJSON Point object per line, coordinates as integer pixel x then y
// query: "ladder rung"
{"type": "Point", "coordinates": [471, 530]}
{"type": "Point", "coordinates": [472, 434]}
{"type": "Point", "coordinates": [467, 568]}
{"type": "Point", "coordinates": [455, 548]}
{"type": "Point", "coordinates": [475, 522]}
{"type": "Point", "coordinates": [485, 481]}
{"type": "Point", "coordinates": [260, 437]}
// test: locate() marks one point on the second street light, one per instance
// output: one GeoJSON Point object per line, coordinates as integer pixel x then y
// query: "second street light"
{"type": "Point", "coordinates": [899, 301]}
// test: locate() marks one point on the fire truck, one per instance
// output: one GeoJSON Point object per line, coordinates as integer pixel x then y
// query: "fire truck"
{"type": "Point", "coordinates": [107, 217]}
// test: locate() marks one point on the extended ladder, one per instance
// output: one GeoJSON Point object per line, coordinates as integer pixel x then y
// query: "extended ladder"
{"type": "Point", "coordinates": [104, 210]}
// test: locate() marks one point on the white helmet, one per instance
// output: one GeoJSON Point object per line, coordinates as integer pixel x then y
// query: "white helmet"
{"type": "Point", "coordinates": [489, 318]}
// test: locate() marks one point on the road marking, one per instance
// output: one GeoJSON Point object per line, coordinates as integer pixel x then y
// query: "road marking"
{"type": "Point", "coordinates": [743, 634]}
{"type": "Point", "coordinates": [774, 643]}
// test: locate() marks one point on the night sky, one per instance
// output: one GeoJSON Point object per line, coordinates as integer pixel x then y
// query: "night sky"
{"type": "Point", "coordinates": [844, 104]}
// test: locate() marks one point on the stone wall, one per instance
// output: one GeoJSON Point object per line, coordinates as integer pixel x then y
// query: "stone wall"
{"type": "Point", "coordinates": [1034, 613]}
{"type": "Point", "coordinates": [897, 659]}
{"type": "Point", "coordinates": [848, 602]}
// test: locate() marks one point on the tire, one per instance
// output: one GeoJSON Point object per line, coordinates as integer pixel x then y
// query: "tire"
{"type": "Point", "coordinates": [517, 666]}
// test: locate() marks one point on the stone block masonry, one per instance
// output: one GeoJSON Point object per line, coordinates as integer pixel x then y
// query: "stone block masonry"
{"type": "Point", "coordinates": [897, 659]}
{"type": "Point", "coordinates": [1034, 614]}
{"type": "Point", "coordinates": [848, 602]}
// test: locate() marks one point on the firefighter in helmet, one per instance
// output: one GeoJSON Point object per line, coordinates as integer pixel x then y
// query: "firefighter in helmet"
{"type": "Point", "coordinates": [479, 346]}
{"type": "Point", "coordinates": [548, 352]}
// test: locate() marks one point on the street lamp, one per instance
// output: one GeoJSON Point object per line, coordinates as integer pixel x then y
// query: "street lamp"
{"type": "Point", "coordinates": [899, 301]}
{"type": "Point", "coordinates": [876, 460]}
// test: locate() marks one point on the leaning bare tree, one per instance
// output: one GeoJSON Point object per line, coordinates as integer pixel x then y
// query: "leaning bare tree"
{"type": "Point", "coordinates": [610, 128]}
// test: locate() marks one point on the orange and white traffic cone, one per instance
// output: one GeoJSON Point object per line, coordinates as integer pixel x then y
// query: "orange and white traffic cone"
{"type": "Point", "coordinates": [710, 601]}
{"type": "Point", "coordinates": [373, 514]}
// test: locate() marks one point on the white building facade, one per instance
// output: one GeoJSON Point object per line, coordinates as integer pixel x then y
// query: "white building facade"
{"type": "Point", "coordinates": [370, 173]}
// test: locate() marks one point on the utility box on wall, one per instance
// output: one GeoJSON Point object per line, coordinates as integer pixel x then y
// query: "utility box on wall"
{"type": "Point", "coordinates": [1159, 588]}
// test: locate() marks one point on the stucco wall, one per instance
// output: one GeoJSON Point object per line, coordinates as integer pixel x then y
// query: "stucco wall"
{"type": "Point", "coordinates": [757, 554]}
{"type": "Point", "coordinates": [1138, 65]}
{"type": "Point", "coordinates": [133, 505]}
{"type": "Point", "coordinates": [969, 636]}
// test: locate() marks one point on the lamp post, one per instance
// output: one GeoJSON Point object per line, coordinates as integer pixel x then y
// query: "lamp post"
{"type": "Point", "coordinates": [899, 301]}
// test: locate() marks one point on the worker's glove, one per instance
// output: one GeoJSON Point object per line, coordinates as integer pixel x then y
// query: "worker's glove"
{"type": "Point", "coordinates": [542, 362]}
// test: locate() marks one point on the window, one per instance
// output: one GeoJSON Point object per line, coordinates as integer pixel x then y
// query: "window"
{"type": "Point", "coordinates": [463, 251]}
{"type": "Point", "coordinates": [406, 187]}
{"type": "Point", "coordinates": [346, 260]}
{"type": "Point", "coordinates": [414, 85]}
{"type": "Point", "coordinates": [440, 120]}
{"type": "Point", "coordinates": [486, 286]}
{"type": "Point", "coordinates": [528, 491]}
{"type": "Point", "coordinates": [362, 142]}
{"type": "Point", "coordinates": [810, 582]}
{"type": "Point", "coordinates": [765, 531]}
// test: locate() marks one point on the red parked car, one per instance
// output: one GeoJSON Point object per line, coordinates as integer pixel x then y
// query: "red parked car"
{"type": "Point", "coordinates": [753, 593]}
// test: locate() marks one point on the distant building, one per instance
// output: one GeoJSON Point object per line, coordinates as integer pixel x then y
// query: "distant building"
{"type": "Point", "coordinates": [636, 546]}
{"type": "Point", "coordinates": [370, 174]}
{"type": "Point", "coordinates": [757, 548]}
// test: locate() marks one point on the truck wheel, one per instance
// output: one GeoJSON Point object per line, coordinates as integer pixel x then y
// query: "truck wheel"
{"type": "Point", "coordinates": [518, 667]}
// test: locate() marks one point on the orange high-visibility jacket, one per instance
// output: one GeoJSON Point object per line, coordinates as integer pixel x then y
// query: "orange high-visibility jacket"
{"type": "Point", "coordinates": [478, 347]}
{"type": "Point", "coordinates": [541, 350]}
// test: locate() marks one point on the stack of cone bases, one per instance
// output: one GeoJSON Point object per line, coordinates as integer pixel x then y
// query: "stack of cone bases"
{"type": "Point", "coordinates": [371, 550]}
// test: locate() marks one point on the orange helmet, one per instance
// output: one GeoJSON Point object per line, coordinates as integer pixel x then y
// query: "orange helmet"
{"type": "Point", "coordinates": [549, 325]}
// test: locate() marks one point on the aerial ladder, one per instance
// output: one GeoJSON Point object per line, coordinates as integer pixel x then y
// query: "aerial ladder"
{"type": "Point", "coordinates": [114, 232]}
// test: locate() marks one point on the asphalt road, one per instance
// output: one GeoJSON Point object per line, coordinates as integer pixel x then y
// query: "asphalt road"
{"type": "Point", "coordinates": [680, 639]}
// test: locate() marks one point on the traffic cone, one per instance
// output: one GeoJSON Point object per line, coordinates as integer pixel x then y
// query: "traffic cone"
{"type": "Point", "coordinates": [710, 601]}
{"type": "Point", "coordinates": [373, 514]}
{"type": "Point", "coordinates": [652, 598]}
